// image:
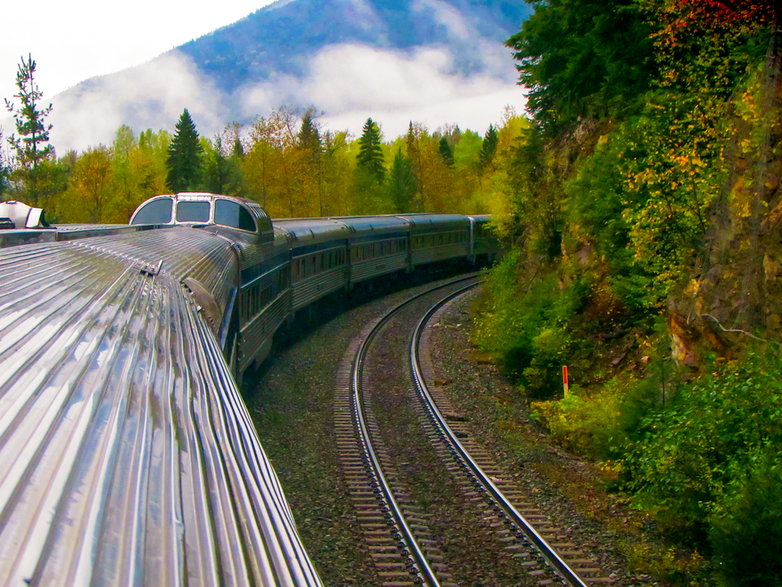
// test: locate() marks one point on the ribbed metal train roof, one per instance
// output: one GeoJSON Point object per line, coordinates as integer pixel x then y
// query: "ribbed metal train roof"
{"type": "Point", "coordinates": [127, 455]}
{"type": "Point", "coordinates": [425, 222]}
{"type": "Point", "coordinates": [307, 231]}
{"type": "Point", "coordinates": [373, 224]}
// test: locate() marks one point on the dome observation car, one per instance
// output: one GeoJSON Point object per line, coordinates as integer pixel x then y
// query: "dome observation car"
{"type": "Point", "coordinates": [196, 208]}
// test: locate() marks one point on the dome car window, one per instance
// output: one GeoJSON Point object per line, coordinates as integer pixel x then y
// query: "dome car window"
{"type": "Point", "coordinates": [155, 212]}
{"type": "Point", "coordinates": [232, 214]}
{"type": "Point", "coordinates": [187, 211]}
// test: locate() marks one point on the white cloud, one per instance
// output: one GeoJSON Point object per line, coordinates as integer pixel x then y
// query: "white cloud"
{"type": "Point", "coordinates": [353, 82]}
{"type": "Point", "coordinates": [79, 39]}
{"type": "Point", "coordinates": [348, 82]}
{"type": "Point", "coordinates": [149, 96]}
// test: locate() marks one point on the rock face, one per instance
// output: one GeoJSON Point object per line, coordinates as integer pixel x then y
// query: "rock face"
{"type": "Point", "coordinates": [738, 295]}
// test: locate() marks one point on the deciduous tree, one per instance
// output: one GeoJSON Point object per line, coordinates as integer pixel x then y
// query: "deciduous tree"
{"type": "Point", "coordinates": [91, 185]}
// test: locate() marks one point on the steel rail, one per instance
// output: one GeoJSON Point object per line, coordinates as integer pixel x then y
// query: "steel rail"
{"type": "Point", "coordinates": [426, 573]}
{"type": "Point", "coordinates": [510, 511]}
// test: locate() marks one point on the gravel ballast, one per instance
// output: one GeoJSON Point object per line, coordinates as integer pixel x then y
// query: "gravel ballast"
{"type": "Point", "coordinates": [292, 407]}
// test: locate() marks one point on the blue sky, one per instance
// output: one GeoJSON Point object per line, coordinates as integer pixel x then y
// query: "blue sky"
{"type": "Point", "coordinates": [78, 39]}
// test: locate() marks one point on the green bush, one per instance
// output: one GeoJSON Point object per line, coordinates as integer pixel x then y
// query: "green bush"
{"type": "Point", "coordinates": [598, 424]}
{"type": "Point", "coordinates": [690, 459]}
{"type": "Point", "coordinates": [550, 349]}
{"type": "Point", "coordinates": [746, 523]}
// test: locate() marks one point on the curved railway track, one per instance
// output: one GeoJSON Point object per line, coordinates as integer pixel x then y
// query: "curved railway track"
{"type": "Point", "coordinates": [408, 534]}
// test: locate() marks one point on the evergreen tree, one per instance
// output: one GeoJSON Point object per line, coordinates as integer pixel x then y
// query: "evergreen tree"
{"type": "Point", "coordinates": [219, 171]}
{"type": "Point", "coordinates": [311, 170]}
{"type": "Point", "coordinates": [402, 185]}
{"type": "Point", "coordinates": [31, 146]}
{"type": "Point", "coordinates": [446, 152]}
{"type": "Point", "coordinates": [5, 170]}
{"type": "Point", "coordinates": [237, 150]}
{"type": "Point", "coordinates": [184, 157]}
{"type": "Point", "coordinates": [584, 58]}
{"type": "Point", "coordinates": [414, 141]}
{"type": "Point", "coordinates": [489, 147]}
{"type": "Point", "coordinates": [370, 154]}
{"type": "Point", "coordinates": [309, 135]}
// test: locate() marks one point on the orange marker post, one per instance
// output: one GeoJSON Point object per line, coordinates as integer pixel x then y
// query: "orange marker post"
{"type": "Point", "coordinates": [565, 383]}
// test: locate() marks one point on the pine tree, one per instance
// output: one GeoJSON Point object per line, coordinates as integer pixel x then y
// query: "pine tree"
{"type": "Point", "coordinates": [31, 146]}
{"type": "Point", "coordinates": [489, 147]}
{"type": "Point", "coordinates": [309, 135]}
{"type": "Point", "coordinates": [402, 185]}
{"type": "Point", "coordinates": [5, 170]}
{"type": "Point", "coordinates": [311, 170]}
{"type": "Point", "coordinates": [370, 154]}
{"type": "Point", "coordinates": [446, 152]}
{"type": "Point", "coordinates": [184, 157]}
{"type": "Point", "coordinates": [216, 168]}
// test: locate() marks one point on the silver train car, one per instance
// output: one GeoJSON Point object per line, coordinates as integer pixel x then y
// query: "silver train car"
{"type": "Point", "coordinates": [126, 451]}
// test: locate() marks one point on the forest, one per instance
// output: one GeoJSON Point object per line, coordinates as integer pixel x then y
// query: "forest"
{"type": "Point", "coordinates": [639, 198]}
{"type": "Point", "coordinates": [284, 160]}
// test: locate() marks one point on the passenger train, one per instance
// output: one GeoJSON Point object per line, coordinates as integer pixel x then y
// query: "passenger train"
{"type": "Point", "coordinates": [126, 452]}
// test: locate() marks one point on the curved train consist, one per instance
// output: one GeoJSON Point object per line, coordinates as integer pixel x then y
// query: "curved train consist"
{"type": "Point", "coordinates": [126, 452]}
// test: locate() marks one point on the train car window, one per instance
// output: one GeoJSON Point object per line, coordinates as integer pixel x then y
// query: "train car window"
{"type": "Point", "coordinates": [155, 212]}
{"type": "Point", "coordinates": [232, 214]}
{"type": "Point", "coordinates": [192, 211]}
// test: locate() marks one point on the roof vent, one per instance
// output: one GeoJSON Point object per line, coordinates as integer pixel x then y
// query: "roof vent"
{"type": "Point", "coordinates": [14, 214]}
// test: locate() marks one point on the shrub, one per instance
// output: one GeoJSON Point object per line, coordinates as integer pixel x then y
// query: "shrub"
{"type": "Point", "coordinates": [746, 523]}
{"type": "Point", "coordinates": [694, 454]}
{"type": "Point", "coordinates": [598, 424]}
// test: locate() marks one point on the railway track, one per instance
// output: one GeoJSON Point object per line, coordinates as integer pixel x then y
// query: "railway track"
{"type": "Point", "coordinates": [432, 505]}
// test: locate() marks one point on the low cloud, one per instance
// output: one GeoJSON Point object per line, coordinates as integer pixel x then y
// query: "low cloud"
{"type": "Point", "coordinates": [148, 96]}
{"type": "Point", "coordinates": [349, 83]}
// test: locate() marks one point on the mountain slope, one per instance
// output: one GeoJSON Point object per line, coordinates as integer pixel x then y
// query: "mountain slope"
{"type": "Point", "coordinates": [283, 37]}
{"type": "Point", "coordinates": [431, 61]}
